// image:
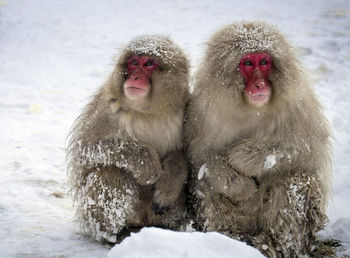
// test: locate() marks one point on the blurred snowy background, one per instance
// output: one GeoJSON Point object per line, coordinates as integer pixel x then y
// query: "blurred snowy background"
{"type": "Point", "coordinates": [54, 55]}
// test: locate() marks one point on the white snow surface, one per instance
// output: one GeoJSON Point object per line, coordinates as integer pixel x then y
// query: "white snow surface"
{"type": "Point", "coordinates": [162, 243]}
{"type": "Point", "coordinates": [54, 55]}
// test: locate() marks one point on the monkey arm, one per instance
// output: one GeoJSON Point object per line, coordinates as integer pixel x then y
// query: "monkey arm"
{"type": "Point", "coordinates": [172, 181]}
{"type": "Point", "coordinates": [137, 157]}
{"type": "Point", "coordinates": [223, 179]}
{"type": "Point", "coordinates": [256, 158]}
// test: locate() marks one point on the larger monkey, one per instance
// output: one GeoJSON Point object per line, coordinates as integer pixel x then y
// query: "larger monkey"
{"type": "Point", "coordinates": [126, 166]}
{"type": "Point", "coordinates": [258, 142]}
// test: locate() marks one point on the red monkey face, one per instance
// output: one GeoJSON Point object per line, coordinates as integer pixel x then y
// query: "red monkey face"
{"type": "Point", "coordinates": [138, 83]}
{"type": "Point", "coordinates": [255, 68]}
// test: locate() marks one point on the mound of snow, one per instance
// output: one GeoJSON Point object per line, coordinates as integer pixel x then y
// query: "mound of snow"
{"type": "Point", "coordinates": [156, 243]}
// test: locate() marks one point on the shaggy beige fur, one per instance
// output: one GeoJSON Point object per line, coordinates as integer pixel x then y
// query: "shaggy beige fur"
{"type": "Point", "coordinates": [125, 156]}
{"type": "Point", "coordinates": [262, 174]}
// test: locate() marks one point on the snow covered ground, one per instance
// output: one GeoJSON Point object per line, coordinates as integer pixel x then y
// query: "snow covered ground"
{"type": "Point", "coordinates": [54, 54]}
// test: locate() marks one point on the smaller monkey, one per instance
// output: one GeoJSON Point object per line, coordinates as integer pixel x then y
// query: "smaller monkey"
{"type": "Point", "coordinates": [258, 143]}
{"type": "Point", "coordinates": [125, 161]}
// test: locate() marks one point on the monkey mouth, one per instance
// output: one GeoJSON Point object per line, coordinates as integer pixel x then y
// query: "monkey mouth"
{"type": "Point", "coordinates": [259, 99]}
{"type": "Point", "coordinates": [135, 88]}
{"type": "Point", "coordinates": [134, 92]}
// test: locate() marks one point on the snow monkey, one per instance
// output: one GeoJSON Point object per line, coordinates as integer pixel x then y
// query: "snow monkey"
{"type": "Point", "coordinates": [125, 161]}
{"type": "Point", "coordinates": [258, 142]}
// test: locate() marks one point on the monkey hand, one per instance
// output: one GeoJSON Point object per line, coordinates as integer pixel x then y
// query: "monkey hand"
{"type": "Point", "coordinates": [247, 160]}
{"type": "Point", "coordinates": [148, 168]}
{"type": "Point", "coordinates": [242, 188]}
{"type": "Point", "coordinates": [158, 209]}
{"type": "Point", "coordinates": [165, 194]}
{"type": "Point", "coordinates": [223, 179]}
{"type": "Point", "coordinates": [137, 157]}
{"type": "Point", "coordinates": [236, 186]}
{"type": "Point", "coordinates": [256, 158]}
{"type": "Point", "coordinates": [160, 203]}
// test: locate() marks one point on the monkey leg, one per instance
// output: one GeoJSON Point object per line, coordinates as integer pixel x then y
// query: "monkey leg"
{"type": "Point", "coordinates": [291, 214]}
{"type": "Point", "coordinates": [109, 202]}
{"type": "Point", "coordinates": [218, 212]}
{"type": "Point", "coordinates": [220, 198]}
{"type": "Point", "coordinates": [112, 204]}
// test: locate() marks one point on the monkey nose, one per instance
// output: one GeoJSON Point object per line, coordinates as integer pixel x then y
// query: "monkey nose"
{"type": "Point", "coordinates": [259, 83]}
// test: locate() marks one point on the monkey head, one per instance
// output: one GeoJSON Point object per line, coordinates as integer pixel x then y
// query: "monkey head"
{"type": "Point", "coordinates": [151, 76]}
{"type": "Point", "coordinates": [253, 64]}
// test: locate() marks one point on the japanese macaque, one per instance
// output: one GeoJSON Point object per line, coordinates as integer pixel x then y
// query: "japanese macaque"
{"type": "Point", "coordinates": [125, 161]}
{"type": "Point", "coordinates": [258, 143]}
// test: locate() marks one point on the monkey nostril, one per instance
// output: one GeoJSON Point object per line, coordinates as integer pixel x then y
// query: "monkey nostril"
{"type": "Point", "coordinates": [260, 84]}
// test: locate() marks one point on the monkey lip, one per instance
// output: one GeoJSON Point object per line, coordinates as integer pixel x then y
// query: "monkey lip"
{"type": "Point", "coordinates": [134, 88]}
{"type": "Point", "coordinates": [134, 92]}
{"type": "Point", "coordinates": [259, 99]}
{"type": "Point", "coordinates": [259, 96]}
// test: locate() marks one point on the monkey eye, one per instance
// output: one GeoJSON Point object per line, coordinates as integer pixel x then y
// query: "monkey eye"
{"type": "Point", "coordinates": [263, 62]}
{"type": "Point", "coordinates": [248, 62]}
{"type": "Point", "coordinates": [134, 61]}
{"type": "Point", "coordinates": [149, 62]}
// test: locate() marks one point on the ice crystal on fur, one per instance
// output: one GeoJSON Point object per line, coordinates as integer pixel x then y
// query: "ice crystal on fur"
{"type": "Point", "coordinates": [155, 45]}
{"type": "Point", "coordinates": [112, 204]}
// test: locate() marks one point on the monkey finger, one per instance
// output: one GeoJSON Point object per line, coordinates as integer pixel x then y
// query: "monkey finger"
{"type": "Point", "coordinates": [159, 210]}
